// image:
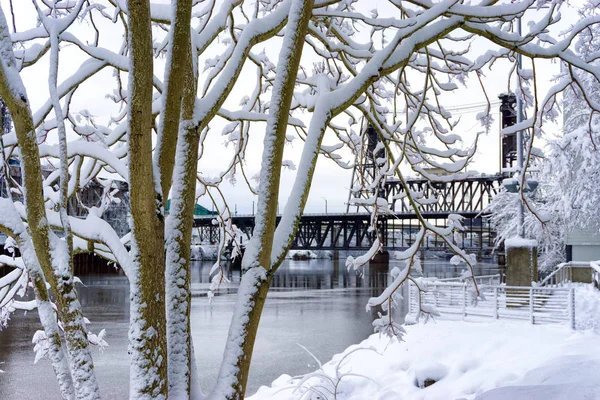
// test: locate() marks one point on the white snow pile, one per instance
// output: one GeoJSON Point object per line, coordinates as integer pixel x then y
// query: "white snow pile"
{"type": "Point", "coordinates": [308, 255]}
{"type": "Point", "coordinates": [460, 360]}
{"type": "Point", "coordinates": [587, 307]}
{"type": "Point", "coordinates": [204, 252]}
{"type": "Point", "coordinates": [520, 242]}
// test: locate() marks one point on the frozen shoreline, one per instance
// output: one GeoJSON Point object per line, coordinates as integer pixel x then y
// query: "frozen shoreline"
{"type": "Point", "coordinates": [208, 252]}
{"type": "Point", "coordinates": [483, 361]}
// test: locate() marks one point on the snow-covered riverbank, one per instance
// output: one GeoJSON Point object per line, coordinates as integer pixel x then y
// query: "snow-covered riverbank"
{"type": "Point", "coordinates": [209, 252]}
{"type": "Point", "coordinates": [463, 360]}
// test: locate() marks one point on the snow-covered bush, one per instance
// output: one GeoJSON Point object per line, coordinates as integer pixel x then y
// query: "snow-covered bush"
{"type": "Point", "coordinates": [569, 192]}
{"type": "Point", "coordinates": [546, 226]}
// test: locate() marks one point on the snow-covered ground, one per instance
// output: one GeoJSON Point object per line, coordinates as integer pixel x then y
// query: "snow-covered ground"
{"type": "Point", "coordinates": [484, 361]}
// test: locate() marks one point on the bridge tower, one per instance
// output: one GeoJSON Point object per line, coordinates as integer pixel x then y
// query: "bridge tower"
{"type": "Point", "coordinates": [508, 147]}
{"type": "Point", "coordinates": [365, 168]}
{"type": "Point", "coordinates": [5, 126]}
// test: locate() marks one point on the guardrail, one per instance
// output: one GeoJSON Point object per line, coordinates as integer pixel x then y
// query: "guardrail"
{"type": "Point", "coordinates": [563, 273]}
{"type": "Point", "coordinates": [538, 305]}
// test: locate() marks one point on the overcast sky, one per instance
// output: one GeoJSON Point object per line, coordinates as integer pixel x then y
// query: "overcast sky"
{"type": "Point", "coordinates": [331, 183]}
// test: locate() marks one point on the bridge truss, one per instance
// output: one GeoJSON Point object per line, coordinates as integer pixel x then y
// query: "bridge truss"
{"type": "Point", "coordinates": [351, 231]}
{"type": "Point", "coordinates": [470, 195]}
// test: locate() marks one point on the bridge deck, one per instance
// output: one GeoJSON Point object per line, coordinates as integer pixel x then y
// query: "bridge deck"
{"type": "Point", "coordinates": [467, 197]}
{"type": "Point", "coordinates": [352, 231]}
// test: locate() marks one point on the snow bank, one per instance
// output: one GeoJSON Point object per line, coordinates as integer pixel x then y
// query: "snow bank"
{"type": "Point", "coordinates": [587, 307]}
{"type": "Point", "coordinates": [566, 377]}
{"type": "Point", "coordinates": [461, 360]}
{"type": "Point", "coordinates": [204, 252]}
{"type": "Point", "coordinates": [309, 255]}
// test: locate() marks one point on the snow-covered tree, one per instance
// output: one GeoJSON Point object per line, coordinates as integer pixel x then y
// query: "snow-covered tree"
{"type": "Point", "coordinates": [543, 224]}
{"type": "Point", "coordinates": [319, 66]}
{"type": "Point", "coordinates": [572, 166]}
{"type": "Point", "coordinates": [569, 178]}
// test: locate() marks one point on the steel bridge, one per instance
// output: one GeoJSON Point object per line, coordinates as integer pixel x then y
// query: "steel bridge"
{"type": "Point", "coordinates": [468, 197]}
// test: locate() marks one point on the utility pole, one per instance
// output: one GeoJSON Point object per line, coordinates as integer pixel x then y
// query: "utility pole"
{"type": "Point", "coordinates": [521, 255]}
{"type": "Point", "coordinates": [520, 169]}
{"type": "Point", "coordinates": [325, 204]}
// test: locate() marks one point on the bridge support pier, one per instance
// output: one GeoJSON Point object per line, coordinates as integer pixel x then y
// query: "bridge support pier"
{"type": "Point", "coordinates": [381, 258]}
{"type": "Point", "coordinates": [236, 263]}
{"type": "Point", "coordinates": [521, 262]}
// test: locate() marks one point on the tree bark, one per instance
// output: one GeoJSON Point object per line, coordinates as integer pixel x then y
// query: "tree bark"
{"type": "Point", "coordinates": [179, 46]}
{"type": "Point", "coordinates": [16, 229]}
{"type": "Point", "coordinates": [54, 266]}
{"type": "Point", "coordinates": [147, 332]}
{"type": "Point", "coordinates": [179, 237]}
{"type": "Point", "coordinates": [252, 294]}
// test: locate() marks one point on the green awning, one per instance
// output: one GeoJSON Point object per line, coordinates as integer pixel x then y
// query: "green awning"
{"type": "Point", "coordinates": [198, 210]}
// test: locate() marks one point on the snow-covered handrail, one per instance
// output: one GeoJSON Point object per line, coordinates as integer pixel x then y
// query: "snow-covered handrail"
{"type": "Point", "coordinates": [563, 272]}
{"type": "Point", "coordinates": [480, 279]}
{"type": "Point", "coordinates": [595, 273]}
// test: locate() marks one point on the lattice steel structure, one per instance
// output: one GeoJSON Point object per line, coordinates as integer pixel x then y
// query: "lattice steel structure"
{"type": "Point", "coordinates": [7, 170]}
{"type": "Point", "coordinates": [467, 197]}
{"type": "Point", "coordinates": [352, 231]}
{"type": "Point", "coordinates": [365, 168]}
{"type": "Point", "coordinates": [508, 147]}
{"type": "Point", "coordinates": [470, 195]}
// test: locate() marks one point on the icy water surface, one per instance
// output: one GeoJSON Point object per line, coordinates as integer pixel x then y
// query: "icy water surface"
{"type": "Point", "coordinates": [316, 303]}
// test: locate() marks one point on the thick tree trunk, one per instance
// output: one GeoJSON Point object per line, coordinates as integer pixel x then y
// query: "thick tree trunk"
{"type": "Point", "coordinates": [179, 46]}
{"type": "Point", "coordinates": [16, 229]}
{"type": "Point", "coordinates": [50, 257]}
{"type": "Point", "coordinates": [147, 332]}
{"type": "Point", "coordinates": [252, 294]}
{"type": "Point", "coordinates": [179, 237]}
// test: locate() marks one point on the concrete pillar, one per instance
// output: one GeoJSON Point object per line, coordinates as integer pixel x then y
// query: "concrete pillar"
{"type": "Point", "coordinates": [521, 262]}
{"type": "Point", "coordinates": [236, 263]}
{"type": "Point", "coordinates": [381, 257]}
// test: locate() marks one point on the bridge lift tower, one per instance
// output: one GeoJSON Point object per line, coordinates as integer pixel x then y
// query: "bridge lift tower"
{"type": "Point", "coordinates": [365, 168]}
{"type": "Point", "coordinates": [5, 127]}
{"type": "Point", "coordinates": [508, 143]}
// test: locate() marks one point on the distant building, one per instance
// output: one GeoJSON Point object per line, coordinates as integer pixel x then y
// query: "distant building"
{"type": "Point", "coordinates": [583, 245]}
{"type": "Point", "coordinates": [198, 210]}
{"type": "Point", "coordinates": [116, 215]}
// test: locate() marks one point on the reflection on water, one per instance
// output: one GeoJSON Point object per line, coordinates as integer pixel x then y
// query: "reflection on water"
{"type": "Point", "coordinates": [316, 303]}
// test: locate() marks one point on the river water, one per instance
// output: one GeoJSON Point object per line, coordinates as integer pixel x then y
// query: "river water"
{"type": "Point", "coordinates": [317, 304]}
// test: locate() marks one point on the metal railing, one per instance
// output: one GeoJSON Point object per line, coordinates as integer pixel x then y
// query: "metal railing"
{"type": "Point", "coordinates": [563, 273]}
{"type": "Point", "coordinates": [538, 305]}
{"type": "Point", "coordinates": [595, 265]}
{"type": "Point", "coordinates": [495, 279]}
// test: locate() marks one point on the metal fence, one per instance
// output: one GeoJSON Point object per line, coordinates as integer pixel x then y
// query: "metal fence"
{"type": "Point", "coordinates": [563, 273]}
{"type": "Point", "coordinates": [538, 305]}
{"type": "Point", "coordinates": [595, 273]}
{"type": "Point", "coordinates": [494, 279]}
